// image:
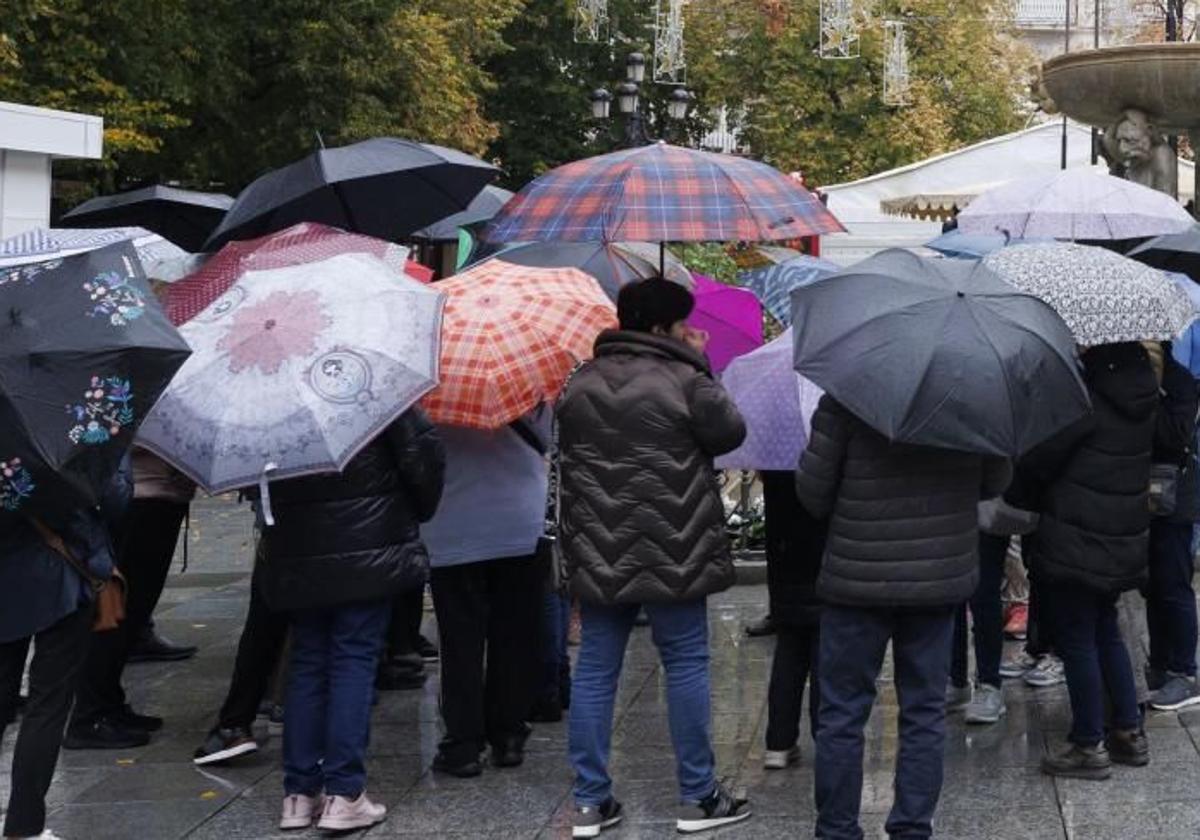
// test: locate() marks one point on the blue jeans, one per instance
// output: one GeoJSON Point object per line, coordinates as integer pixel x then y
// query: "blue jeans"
{"type": "Point", "coordinates": [1096, 662]}
{"type": "Point", "coordinates": [331, 682]}
{"type": "Point", "coordinates": [680, 633]}
{"type": "Point", "coordinates": [1170, 599]}
{"type": "Point", "coordinates": [853, 642]}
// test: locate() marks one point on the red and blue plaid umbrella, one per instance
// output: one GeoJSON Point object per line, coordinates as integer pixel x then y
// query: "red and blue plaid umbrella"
{"type": "Point", "coordinates": [662, 193]}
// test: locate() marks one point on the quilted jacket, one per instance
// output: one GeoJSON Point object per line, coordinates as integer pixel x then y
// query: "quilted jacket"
{"type": "Point", "coordinates": [354, 536]}
{"type": "Point", "coordinates": [642, 516]}
{"type": "Point", "coordinates": [903, 518]}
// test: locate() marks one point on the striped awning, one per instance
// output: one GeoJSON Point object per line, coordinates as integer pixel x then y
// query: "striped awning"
{"type": "Point", "coordinates": [929, 207]}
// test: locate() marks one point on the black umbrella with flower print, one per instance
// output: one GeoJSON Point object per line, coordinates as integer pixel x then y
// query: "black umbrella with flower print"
{"type": "Point", "coordinates": [85, 351]}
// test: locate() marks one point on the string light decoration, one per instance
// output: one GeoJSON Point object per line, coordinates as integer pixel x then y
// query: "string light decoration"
{"type": "Point", "coordinates": [839, 30]}
{"type": "Point", "coordinates": [895, 63]}
{"type": "Point", "coordinates": [670, 63]}
{"type": "Point", "coordinates": [591, 21]}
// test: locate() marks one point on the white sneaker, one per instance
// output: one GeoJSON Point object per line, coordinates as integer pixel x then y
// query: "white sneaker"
{"type": "Point", "coordinates": [781, 759]}
{"type": "Point", "coordinates": [1048, 672]}
{"type": "Point", "coordinates": [299, 810]}
{"type": "Point", "coordinates": [344, 814]}
{"type": "Point", "coordinates": [1017, 666]}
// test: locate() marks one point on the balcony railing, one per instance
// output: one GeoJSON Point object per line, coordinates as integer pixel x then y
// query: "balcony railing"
{"type": "Point", "coordinates": [1044, 12]}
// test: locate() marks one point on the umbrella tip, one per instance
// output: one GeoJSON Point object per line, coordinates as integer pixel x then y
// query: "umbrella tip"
{"type": "Point", "coordinates": [962, 294]}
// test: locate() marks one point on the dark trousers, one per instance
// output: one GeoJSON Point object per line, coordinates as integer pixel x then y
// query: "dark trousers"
{"type": "Point", "coordinates": [259, 649]}
{"type": "Point", "coordinates": [1096, 662]}
{"type": "Point", "coordinates": [488, 621]}
{"type": "Point", "coordinates": [405, 624]}
{"type": "Point", "coordinates": [796, 657]}
{"type": "Point", "coordinates": [987, 618]}
{"type": "Point", "coordinates": [58, 656]}
{"type": "Point", "coordinates": [145, 546]}
{"type": "Point", "coordinates": [853, 642]}
{"type": "Point", "coordinates": [1170, 599]}
{"type": "Point", "coordinates": [1039, 637]}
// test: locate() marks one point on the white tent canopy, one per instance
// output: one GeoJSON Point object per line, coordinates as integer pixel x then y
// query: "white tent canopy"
{"type": "Point", "coordinates": [938, 180]}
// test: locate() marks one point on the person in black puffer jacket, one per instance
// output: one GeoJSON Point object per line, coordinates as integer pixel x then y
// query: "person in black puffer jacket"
{"type": "Point", "coordinates": [341, 547]}
{"type": "Point", "coordinates": [795, 543]}
{"type": "Point", "coordinates": [900, 556]}
{"type": "Point", "coordinates": [643, 523]}
{"type": "Point", "coordinates": [1090, 546]}
{"type": "Point", "coordinates": [1170, 599]}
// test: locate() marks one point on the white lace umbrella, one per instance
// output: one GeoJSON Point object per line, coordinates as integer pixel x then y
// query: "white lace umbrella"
{"type": "Point", "coordinates": [1103, 297]}
{"type": "Point", "coordinates": [294, 370]}
{"type": "Point", "coordinates": [1074, 204]}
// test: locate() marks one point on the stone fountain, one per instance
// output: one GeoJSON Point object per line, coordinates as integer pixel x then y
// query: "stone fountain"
{"type": "Point", "coordinates": [1139, 96]}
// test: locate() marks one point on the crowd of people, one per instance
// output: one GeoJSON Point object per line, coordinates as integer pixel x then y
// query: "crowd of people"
{"type": "Point", "coordinates": [609, 497]}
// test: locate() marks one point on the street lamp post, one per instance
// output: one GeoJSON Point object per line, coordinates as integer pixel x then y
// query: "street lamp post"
{"type": "Point", "coordinates": [629, 103]}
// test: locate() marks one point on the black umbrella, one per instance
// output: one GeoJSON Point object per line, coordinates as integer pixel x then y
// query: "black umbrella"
{"type": "Point", "coordinates": [1178, 252]}
{"type": "Point", "coordinates": [384, 187]}
{"type": "Point", "coordinates": [85, 352]}
{"type": "Point", "coordinates": [939, 352]}
{"type": "Point", "coordinates": [481, 209]}
{"type": "Point", "coordinates": [613, 264]}
{"type": "Point", "coordinates": [185, 217]}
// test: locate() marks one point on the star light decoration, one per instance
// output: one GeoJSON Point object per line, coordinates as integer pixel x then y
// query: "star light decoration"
{"type": "Point", "coordinates": [670, 63]}
{"type": "Point", "coordinates": [895, 63]}
{"type": "Point", "coordinates": [591, 21]}
{"type": "Point", "coordinates": [839, 30]}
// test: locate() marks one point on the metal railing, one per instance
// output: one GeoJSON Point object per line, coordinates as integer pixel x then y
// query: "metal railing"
{"type": "Point", "coordinates": [1043, 12]}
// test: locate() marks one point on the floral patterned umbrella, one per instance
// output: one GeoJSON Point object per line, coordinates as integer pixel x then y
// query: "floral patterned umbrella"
{"type": "Point", "coordinates": [295, 370]}
{"type": "Point", "coordinates": [1102, 296]}
{"type": "Point", "coordinates": [85, 351]}
{"type": "Point", "coordinates": [777, 404]}
{"type": "Point", "coordinates": [511, 336]}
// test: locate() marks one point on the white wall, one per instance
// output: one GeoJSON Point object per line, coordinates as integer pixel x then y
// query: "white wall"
{"type": "Point", "coordinates": [24, 191]}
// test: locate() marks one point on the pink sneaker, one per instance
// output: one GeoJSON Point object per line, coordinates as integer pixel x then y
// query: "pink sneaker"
{"type": "Point", "coordinates": [343, 814]}
{"type": "Point", "coordinates": [299, 810]}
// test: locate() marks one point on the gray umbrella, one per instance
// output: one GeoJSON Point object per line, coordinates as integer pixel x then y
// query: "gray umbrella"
{"type": "Point", "coordinates": [481, 209]}
{"type": "Point", "coordinates": [939, 352]}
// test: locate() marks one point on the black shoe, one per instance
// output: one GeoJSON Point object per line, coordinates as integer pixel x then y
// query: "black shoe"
{"type": "Point", "coordinates": [104, 734]}
{"type": "Point", "coordinates": [721, 807]}
{"type": "Point", "coordinates": [151, 647]}
{"type": "Point", "coordinates": [1128, 747]}
{"type": "Point", "coordinates": [224, 744]}
{"type": "Point", "coordinates": [509, 753]}
{"type": "Point", "coordinates": [547, 710]}
{"type": "Point", "coordinates": [1076, 762]}
{"type": "Point", "coordinates": [427, 649]}
{"type": "Point", "coordinates": [400, 673]}
{"type": "Point", "coordinates": [130, 719]}
{"type": "Point", "coordinates": [765, 626]}
{"type": "Point", "coordinates": [466, 770]}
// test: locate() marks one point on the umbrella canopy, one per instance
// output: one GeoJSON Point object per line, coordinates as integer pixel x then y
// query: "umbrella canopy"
{"type": "Point", "coordinates": [159, 258]}
{"type": "Point", "coordinates": [185, 217]}
{"type": "Point", "coordinates": [612, 264]}
{"type": "Point", "coordinates": [939, 352]}
{"type": "Point", "coordinates": [662, 193]}
{"type": "Point", "coordinates": [511, 336]}
{"type": "Point", "coordinates": [1173, 252]}
{"type": "Point", "coordinates": [1103, 297]}
{"type": "Point", "coordinates": [777, 404]}
{"type": "Point", "coordinates": [481, 209]}
{"type": "Point", "coordinates": [85, 352]}
{"type": "Point", "coordinates": [295, 370]}
{"type": "Point", "coordinates": [298, 245]}
{"type": "Point", "coordinates": [383, 187]}
{"type": "Point", "coordinates": [1074, 204]}
{"type": "Point", "coordinates": [731, 316]}
{"type": "Point", "coordinates": [773, 284]}
{"type": "Point", "coordinates": [972, 246]}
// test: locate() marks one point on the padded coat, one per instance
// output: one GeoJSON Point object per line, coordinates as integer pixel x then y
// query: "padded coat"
{"type": "Point", "coordinates": [354, 536]}
{"type": "Point", "coordinates": [642, 516]}
{"type": "Point", "coordinates": [1094, 477]}
{"type": "Point", "coordinates": [903, 518]}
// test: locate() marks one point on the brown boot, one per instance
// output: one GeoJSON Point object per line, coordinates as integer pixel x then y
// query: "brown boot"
{"type": "Point", "coordinates": [1076, 762]}
{"type": "Point", "coordinates": [1128, 747]}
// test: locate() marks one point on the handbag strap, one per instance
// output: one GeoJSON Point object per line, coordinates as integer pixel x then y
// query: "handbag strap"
{"type": "Point", "coordinates": [55, 542]}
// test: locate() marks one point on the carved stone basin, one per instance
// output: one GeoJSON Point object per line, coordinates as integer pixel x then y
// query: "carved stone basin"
{"type": "Point", "coordinates": [1095, 86]}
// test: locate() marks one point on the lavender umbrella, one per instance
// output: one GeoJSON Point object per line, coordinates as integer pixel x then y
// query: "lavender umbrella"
{"type": "Point", "coordinates": [777, 404]}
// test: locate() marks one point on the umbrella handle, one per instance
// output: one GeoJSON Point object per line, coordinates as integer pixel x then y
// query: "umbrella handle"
{"type": "Point", "coordinates": [264, 493]}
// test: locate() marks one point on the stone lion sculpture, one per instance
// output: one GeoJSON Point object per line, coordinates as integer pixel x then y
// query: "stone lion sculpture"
{"type": "Point", "coordinates": [1138, 152]}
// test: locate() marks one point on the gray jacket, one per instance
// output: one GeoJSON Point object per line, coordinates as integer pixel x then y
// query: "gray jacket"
{"type": "Point", "coordinates": [642, 515]}
{"type": "Point", "coordinates": [903, 519]}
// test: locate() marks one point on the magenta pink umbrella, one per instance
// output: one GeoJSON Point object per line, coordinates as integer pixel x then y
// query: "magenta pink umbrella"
{"type": "Point", "coordinates": [731, 315]}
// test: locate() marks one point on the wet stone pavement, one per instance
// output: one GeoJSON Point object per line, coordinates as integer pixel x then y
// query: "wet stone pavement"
{"type": "Point", "coordinates": [993, 788]}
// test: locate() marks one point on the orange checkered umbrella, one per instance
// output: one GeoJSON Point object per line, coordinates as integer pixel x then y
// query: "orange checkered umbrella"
{"type": "Point", "coordinates": [510, 336]}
